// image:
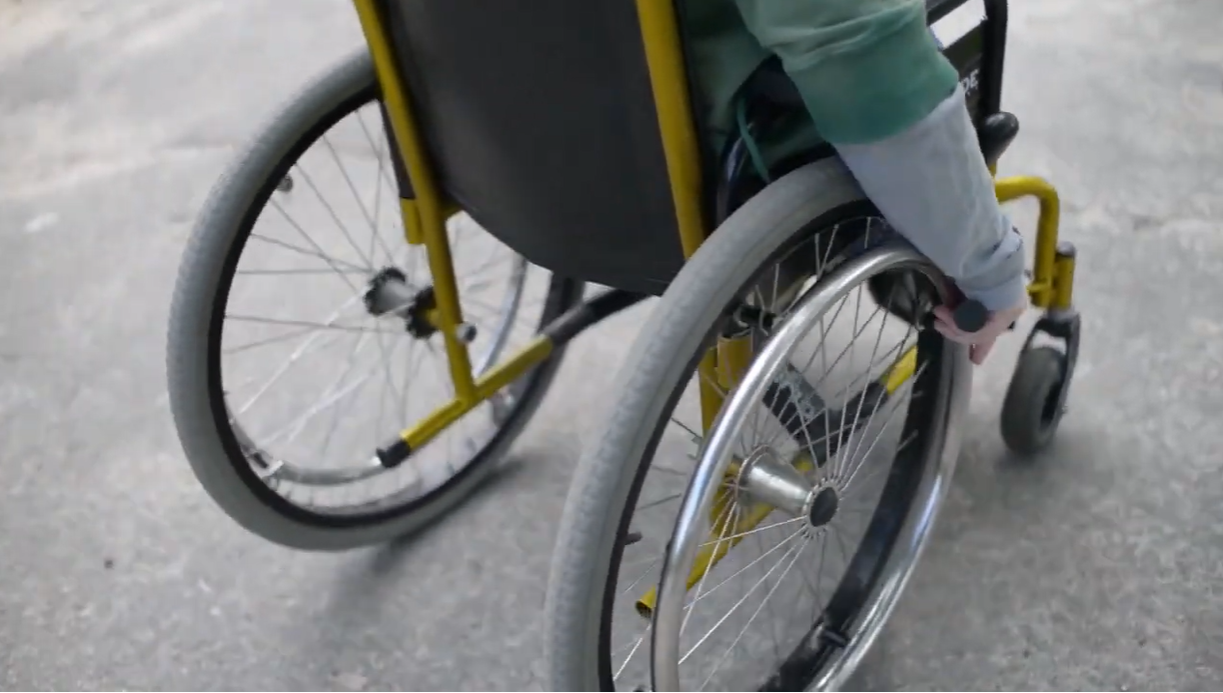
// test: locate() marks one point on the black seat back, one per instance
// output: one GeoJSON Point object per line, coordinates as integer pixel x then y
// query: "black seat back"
{"type": "Point", "coordinates": [540, 122]}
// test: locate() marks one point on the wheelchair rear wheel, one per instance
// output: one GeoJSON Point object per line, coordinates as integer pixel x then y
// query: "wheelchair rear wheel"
{"type": "Point", "coordinates": [298, 341]}
{"type": "Point", "coordinates": [766, 547]}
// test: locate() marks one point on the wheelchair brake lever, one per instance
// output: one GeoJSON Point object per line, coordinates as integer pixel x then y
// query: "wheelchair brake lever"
{"type": "Point", "coordinates": [970, 315]}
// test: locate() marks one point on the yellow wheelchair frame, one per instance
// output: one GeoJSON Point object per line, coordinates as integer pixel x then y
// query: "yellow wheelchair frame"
{"type": "Point", "coordinates": [462, 140]}
{"type": "Point", "coordinates": [425, 216]}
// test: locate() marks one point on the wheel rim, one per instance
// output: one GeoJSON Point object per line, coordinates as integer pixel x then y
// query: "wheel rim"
{"type": "Point", "coordinates": [660, 636]}
{"type": "Point", "coordinates": [315, 460]}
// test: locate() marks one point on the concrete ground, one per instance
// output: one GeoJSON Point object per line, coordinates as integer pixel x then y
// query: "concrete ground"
{"type": "Point", "coordinates": [1095, 567]}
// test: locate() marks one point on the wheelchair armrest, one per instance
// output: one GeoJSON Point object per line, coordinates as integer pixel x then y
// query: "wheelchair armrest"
{"type": "Point", "coordinates": [995, 134]}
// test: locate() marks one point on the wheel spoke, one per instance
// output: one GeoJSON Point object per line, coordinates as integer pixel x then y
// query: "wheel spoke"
{"type": "Point", "coordinates": [329, 325]}
{"type": "Point", "coordinates": [732, 510]}
{"type": "Point", "coordinates": [334, 217]}
{"type": "Point", "coordinates": [263, 272]}
{"type": "Point", "coordinates": [764, 554]}
{"type": "Point", "coordinates": [791, 551]}
{"type": "Point", "coordinates": [848, 481]}
{"type": "Point", "coordinates": [722, 660]}
{"type": "Point", "coordinates": [336, 265]}
{"type": "Point", "coordinates": [373, 227]}
{"type": "Point", "coordinates": [381, 177]}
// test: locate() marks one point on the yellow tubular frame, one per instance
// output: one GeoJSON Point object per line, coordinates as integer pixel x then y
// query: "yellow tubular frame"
{"type": "Point", "coordinates": [665, 62]}
{"type": "Point", "coordinates": [424, 221]}
{"type": "Point", "coordinates": [664, 56]}
{"type": "Point", "coordinates": [722, 366]}
{"type": "Point", "coordinates": [425, 224]}
{"type": "Point", "coordinates": [1052, 275]}
{"type": "Point", "coordinates": [425, 216]}
{"type": "Point", "coordinates": [429, 222]}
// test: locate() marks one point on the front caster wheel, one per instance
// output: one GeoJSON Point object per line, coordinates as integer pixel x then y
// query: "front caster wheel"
{"type": "Point", "coordinates": [1033, 406]}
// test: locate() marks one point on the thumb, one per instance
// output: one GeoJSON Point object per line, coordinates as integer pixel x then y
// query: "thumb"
{"type": "Point", "coordinates": [980, 351]}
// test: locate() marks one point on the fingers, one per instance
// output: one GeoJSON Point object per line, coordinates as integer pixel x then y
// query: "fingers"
{"type": "Point", "coordinates": [981, 342]}
{"type": "Point", "coordinates": [979, 345]}
{"type": "Point", "coordinates": [944, 323]}
{"type": "Point", "coordinates": [977, 353]}
{"type": "Point", "coordinates": [950, 332]}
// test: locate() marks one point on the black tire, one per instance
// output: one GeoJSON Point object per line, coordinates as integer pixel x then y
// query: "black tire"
{"type": "Point", "coordinates": [1031, 411]}
{"type": "Point", "coordinates": [197, 403]}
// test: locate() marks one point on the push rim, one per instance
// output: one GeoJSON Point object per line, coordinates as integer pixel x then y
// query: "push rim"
{"type": "Point", "coordinates": [804, 665]}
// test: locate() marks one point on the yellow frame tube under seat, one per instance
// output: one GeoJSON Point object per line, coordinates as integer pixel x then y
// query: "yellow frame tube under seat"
{"type": "Point", "coordinates": [429, 207]}
{"type": "Point", "coordinates": [900, 371]}
{"type": "Point", "coordinates": [504, 373]}
{"type": "Point", "coordinates": [425, 223]}
{"type": "Point", "coordinates": [664, 55]}
{"type": "Point", "coordinates": [734, 358]}
{"type": "Point", "coordinates": [1045, 289]}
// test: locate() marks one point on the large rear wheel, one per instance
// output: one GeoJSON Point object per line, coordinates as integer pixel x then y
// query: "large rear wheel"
{"type": "Point", "coordinates": [764, 547]}
{"type": "Point", "coordinates": [299, 341]}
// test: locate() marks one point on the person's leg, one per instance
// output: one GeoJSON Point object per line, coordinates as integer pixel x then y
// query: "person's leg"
{"type": "Point", "coordinates": [879, 90]}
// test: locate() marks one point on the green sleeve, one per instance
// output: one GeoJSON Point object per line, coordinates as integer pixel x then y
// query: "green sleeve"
{"type": "Point", "coordinates": [866, 69]}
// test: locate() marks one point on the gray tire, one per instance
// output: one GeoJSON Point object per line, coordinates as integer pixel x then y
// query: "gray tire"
{"type": "Point", "coordinates": [198, 299]}
{"type": "Point", "coordinates": [660, 361]}
{"type": "Point", "coordinates": [1030, 414]}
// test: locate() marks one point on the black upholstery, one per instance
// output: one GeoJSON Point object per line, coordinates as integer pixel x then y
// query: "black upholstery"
{"type": "Point", "coordinates": [541, 124]}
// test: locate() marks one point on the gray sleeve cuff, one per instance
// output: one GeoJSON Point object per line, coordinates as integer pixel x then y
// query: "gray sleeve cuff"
{"type": "Point", "coordinates": [932, 185]}
{"type": "Point", "coordinates": [1004, 284]}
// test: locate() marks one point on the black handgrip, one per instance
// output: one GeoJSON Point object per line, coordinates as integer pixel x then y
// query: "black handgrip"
{"type": "Point", "coordinates": [970, 316]}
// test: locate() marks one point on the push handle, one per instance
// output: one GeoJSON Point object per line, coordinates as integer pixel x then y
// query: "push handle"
{"type": "Point", "coordinates": [970, 316]}
{"type": "Point", "coordinates": [993, 57]}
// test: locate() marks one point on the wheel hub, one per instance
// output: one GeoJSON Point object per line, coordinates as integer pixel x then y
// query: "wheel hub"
{"type": "Point", "coordinates": [766, 478]}
{"type": "Point", "coordinates": [390, 294]}
{"type": "Point", "coordinates": [823, 506]}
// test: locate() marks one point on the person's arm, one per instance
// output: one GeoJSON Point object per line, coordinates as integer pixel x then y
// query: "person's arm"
{"type": "Point", "coordinates": [931, 182]}
{"type": "Point", "coordinates": [879, 90]}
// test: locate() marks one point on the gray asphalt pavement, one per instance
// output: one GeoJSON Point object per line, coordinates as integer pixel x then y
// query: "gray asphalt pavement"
{"type": "Point", "coordinates": [1095, 567]}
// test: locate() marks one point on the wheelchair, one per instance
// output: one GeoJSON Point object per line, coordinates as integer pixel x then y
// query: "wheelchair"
{"type": "Point", "coordinates": [751, 435]}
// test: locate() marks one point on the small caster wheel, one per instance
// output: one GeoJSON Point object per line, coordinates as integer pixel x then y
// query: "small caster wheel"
{"type": "Point", "coordinates": [1033, 408]}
